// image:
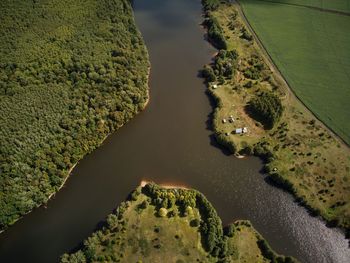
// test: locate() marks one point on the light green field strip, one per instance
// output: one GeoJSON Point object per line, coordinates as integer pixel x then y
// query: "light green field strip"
{"type": "Point", "coordinates": [337, 5]}
{"type": "Point", "coordinates": [311, 48]}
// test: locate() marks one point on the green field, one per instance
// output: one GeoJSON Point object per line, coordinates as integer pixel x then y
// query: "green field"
{"type": "Point", "coordinates": [311, 49]}
{"type": "Point", "coordinates": [71, 72]}
{"type": "Point", "coordinates": [300, 153]}
{"type": "Point", "coordinates": [174, 225]}
{"type": "Point", "coordinates": [336, 5]}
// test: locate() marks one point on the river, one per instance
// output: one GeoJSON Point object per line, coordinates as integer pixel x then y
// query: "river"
{"type": "Point", "coordinates": [170, 143]}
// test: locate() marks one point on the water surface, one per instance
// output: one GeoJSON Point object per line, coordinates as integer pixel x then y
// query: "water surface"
{"type": "Point", "coordinates": [170, 143]}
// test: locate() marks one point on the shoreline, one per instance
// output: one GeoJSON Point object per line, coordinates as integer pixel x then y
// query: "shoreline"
{"type": "Point", "coordinates": [165, 185]}
{"type": "Point", "coordinates": [276, 175]}
{"type": "Point", "coordinates": [74, 165]}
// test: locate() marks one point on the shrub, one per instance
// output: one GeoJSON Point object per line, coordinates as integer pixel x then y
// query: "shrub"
{"type": "Point", "coordinates": [208, 74]}
{"type": "Point", "coordinates": [228, 144]}
{"type": "Point", "coordinates": [246, 35]}
{"type": "Point", "coordinates": [162, 212]}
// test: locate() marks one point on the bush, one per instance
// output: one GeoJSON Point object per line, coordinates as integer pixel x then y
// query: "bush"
{"type": "Point", "coordinates": [208, 74]}
{"type": "Point", "coordinates": [246, 35]}
{"type": "Point", "coordinates": [195, 222]}
{"type": "Point", "coordinates": [162, 212]}
{"type": "Point", "coordinates": [222, 140]}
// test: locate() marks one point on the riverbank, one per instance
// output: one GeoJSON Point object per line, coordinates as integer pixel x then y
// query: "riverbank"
{"type": "Point", "coordinates": [175, 223]}
{"type": "Point", "coordinates": [64, 93]}
{"type": "Point", "coordinates": [301, 155]}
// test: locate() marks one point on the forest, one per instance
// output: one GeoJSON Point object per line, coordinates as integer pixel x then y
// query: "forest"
{"type": "Point", "coordinates": [71, 72]}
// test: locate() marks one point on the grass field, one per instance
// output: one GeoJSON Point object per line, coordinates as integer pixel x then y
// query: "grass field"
{"type": "Point", "coordinates": [337, 5]}
{"type": "Point", "coordinates": [300, 153]}
{"type": "Point", "coordinates": [311, 49]}
{"type": "Point", "coordinates": [139, 232]}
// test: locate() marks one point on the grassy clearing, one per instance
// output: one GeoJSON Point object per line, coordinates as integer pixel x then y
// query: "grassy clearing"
{"type": "Point", "coordinates": [71, 72]}
{"type": "Point", "coordinates": [145, 229]}
{"type": "Point", "coordinates": [300, 154]}
{"type": "Point", "coordinates": [311, 49]}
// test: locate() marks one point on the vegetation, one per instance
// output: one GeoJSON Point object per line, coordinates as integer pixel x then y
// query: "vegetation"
{"type": "Point", "coordinates": [300, 153]}
{"type": "Point", "coordinates": [314, 59]}
{"type": "Point", "coordinates": [210, 5]}
{"type": "Point", "coordinates": [178, 224]}
{"type": "Point", "coordinates": [328, 5]}
{"type": "Point", "coordinates": [71, 72]}
{"type": "Point", "coordinates": [215, 33]}
{"type": "Point", "coordinates": [267, 108]}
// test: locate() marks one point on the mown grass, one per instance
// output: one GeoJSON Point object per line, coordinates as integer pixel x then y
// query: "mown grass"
{"type": "Point", "coordinates": [311, 49]}
{"type": "Point", "coordinates": [139, 232]}
{"type": "Point", "coordinates": [337, 5]}
{"type": "Point", "coordinates": [300, 153]}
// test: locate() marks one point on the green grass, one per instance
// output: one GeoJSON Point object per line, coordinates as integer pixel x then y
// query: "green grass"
{"type": "Point", "coordinates": [300, 153]}
{"type": "Point", "coordinates": [71, 72]}
{"type": "Point", "coordinates": [337, 5]}
{"type": "Point", "coordinates": [137, 233]}
{"type": "Point", "coordinates": [311, 49]}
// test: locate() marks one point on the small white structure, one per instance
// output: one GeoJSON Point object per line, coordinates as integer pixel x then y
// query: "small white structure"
{"type": "Point", "coordinates": [239, 131]}
{"type": "Point", "coordinates": [223, 120]}
{"type": "Point", "coordinates": [215, 86]}
{"type": "Point", "coordinates": [227, 133]}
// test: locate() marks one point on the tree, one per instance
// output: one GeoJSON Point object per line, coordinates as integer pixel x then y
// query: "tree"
{"type": "Point", "coordinates": [208, 74]}
{"type": "Point", "coordinates": [266, 108]}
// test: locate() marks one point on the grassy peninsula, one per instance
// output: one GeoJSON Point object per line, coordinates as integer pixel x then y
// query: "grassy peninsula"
{"type": "Point", "coordinates": [71, 72]}
{"type": "Point", "coordinates": [175, 225]}
{"type": "Point", "coordinates": [258, 114]}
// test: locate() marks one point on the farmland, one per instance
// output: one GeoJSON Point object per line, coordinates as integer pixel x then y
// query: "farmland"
{"type": "Point", "coordinates": [310, 48]}
{"type": "Point", "coordinates": [177, 224]}
{"type": "Point", "coordinates": [327, 5]}
{"type": "Point", "coordinates": [300, 153]}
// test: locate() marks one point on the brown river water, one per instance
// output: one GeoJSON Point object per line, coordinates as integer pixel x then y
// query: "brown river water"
{"type": "Point", "coordinates": [170, 142]}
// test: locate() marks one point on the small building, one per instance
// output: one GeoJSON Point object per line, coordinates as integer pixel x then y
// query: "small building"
{"type": "Point", "coordinates": [215, 86]}
{"type": "Point", "coordinates": [239, 131]}
{"type": "Point", "coordinates": [245, 130]}
{"type": "Point", "coordinates": [223, 120]}
{"type": "Point", "coordinates": [227, 133]}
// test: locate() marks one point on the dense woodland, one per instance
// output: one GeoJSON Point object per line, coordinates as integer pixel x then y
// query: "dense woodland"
{"type": "Point", "coordinates": [71, 72]}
